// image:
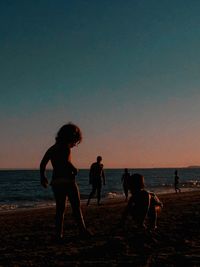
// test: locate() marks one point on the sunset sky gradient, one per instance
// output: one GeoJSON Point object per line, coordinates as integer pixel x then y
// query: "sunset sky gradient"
{"type": "Point", "coordinates": [126, 72]}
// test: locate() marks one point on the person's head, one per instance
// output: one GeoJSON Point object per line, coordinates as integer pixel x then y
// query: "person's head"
{"type": "Point", "coordinates": [69, 134]}
{"type": "Point", "coordinates": [136, 182]}
{"type": "Point", "coordinates": [176, 172]}
{"type": "Point", "coordinates": [125, 170]}
{"type": "Point", "coordinates": [99, 159]}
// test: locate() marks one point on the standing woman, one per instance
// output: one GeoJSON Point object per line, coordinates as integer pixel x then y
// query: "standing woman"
{"type": "Point", "coordinates": [63, 177]}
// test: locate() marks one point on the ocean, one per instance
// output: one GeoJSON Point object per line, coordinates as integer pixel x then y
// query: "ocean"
{"type": "Point", "coordinates": [21, 188]}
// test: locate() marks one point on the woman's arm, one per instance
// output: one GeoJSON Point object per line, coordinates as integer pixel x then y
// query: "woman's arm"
{"type": "Point", "coordinates": [43, 164]}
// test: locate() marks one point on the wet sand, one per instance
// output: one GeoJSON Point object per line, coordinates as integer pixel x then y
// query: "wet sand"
{"type": "Point", "coordinates": [27, 236]}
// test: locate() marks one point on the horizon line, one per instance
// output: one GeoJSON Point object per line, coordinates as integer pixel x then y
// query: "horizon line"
{"type": "Point", "coordinates": [109, 168]}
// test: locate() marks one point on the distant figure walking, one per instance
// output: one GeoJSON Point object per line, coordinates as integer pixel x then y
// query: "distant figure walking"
{"type": "Point", "coordinates": [142, 204]}
{"type": "Point", "coordinates": [63, 177]}
{"type": "Point", "coordinates": [125, 182]}
{"type": "Point", "coordinates": [176, 182]}
{"type": "Point", "coordinates": [96, 178]}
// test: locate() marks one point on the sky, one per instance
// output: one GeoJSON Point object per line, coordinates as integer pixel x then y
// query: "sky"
{"type": "Point", "coordinates": [125, 71]}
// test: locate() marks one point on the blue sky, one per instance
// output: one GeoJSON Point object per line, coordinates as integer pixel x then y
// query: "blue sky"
{"type": "Point", "coordinates": [127, 72]}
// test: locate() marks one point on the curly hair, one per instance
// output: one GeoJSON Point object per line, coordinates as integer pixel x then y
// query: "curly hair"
{"type": "Point", "coordinates": [69, 133]}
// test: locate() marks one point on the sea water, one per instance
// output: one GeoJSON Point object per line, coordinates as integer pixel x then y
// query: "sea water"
{"type": "Point", "coordinates": [22, 189]}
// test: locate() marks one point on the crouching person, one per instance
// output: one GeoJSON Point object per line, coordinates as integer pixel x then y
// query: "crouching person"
{"type": "Point", "coordinates": [142, 205]}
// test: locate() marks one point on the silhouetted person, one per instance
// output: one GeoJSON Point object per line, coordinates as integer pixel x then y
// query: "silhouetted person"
{"type": "Point", "coordinates": [125, 182]}
{"type": "Point", "coordinates": [142, 204]}
{"type": "Point", "coordinates": [63, 177]}
{"type": "Point", "coordinates": [96, 178]}
{"type": "Point", "coordinates": [176, 182]}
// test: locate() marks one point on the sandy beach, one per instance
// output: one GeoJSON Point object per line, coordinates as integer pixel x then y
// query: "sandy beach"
{"type": "Point", "coordinates": [27, 236]}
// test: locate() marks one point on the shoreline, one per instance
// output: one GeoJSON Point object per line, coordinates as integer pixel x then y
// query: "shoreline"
{"type": "Point", "coordinates": [115, 197]}
{"type": "Point", "coordinates": [27, 236]}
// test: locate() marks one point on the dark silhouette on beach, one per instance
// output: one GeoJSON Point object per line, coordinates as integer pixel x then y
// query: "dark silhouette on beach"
{"type": "Point", "coordinates": [96, 178]}
{"type": "Point", "coordinates": [125, 182]}
{"type": "Point", "coordinates": [63, 177]}
{"type": "Point", "coordinates": [176, 182]}
{"type": "Point", "coordinates": [141, 205]}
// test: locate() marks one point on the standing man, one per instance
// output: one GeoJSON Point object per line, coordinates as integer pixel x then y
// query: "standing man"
{"type": "Point", "coordinates": [176, 182]}
{"type": "Point", "coordinates": [125, 179]}
{"type": "Point", "coordinates": [96, 177]}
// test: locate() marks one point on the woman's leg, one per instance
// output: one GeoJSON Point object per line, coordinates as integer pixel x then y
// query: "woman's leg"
{"type": "Point", "coordinates": [74, 199]}
{"type": "Point", "coordinates": [60, 197]}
